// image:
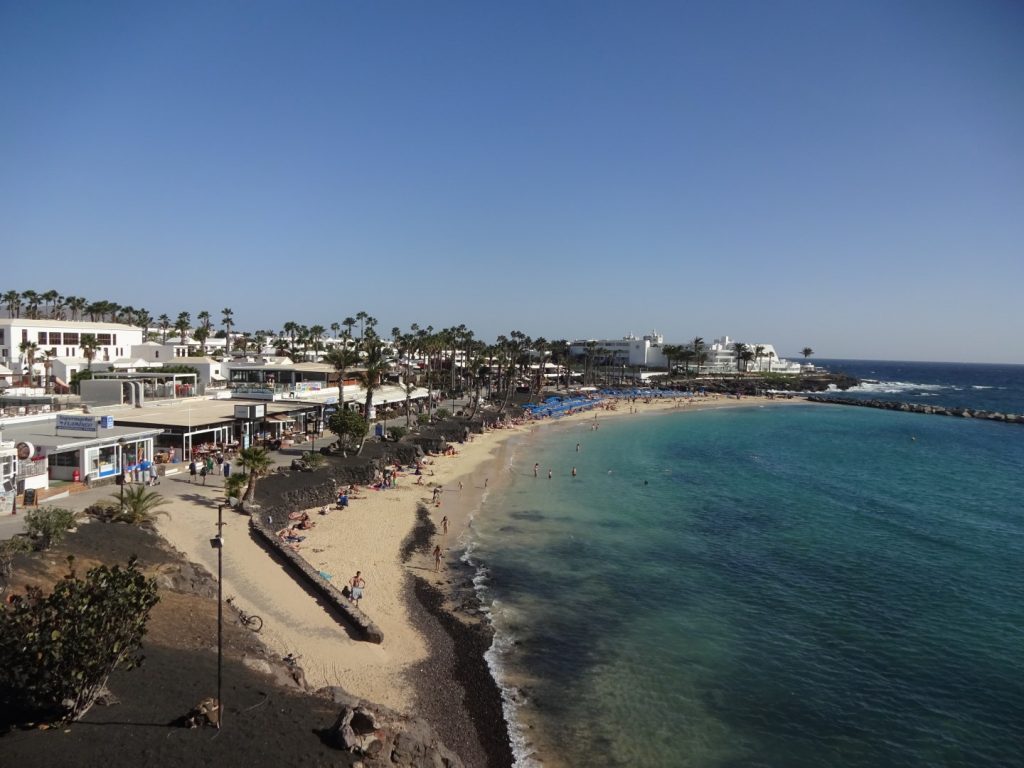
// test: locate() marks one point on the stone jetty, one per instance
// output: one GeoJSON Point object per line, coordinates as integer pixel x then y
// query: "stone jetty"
{"type": "Point", "coordinates": [937, 410]}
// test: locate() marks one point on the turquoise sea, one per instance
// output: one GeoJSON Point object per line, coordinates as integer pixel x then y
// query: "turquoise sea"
{"type": "Point", "coordinates": [794, 585]}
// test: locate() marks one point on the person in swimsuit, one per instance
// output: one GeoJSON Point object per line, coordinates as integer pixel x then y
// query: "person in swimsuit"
{"type": "Point", "coordinates": [357, 583]}
{"type": "Point", "coordinates": [437, 558]}
{"type": "Point", "coordinates": [444, 524]}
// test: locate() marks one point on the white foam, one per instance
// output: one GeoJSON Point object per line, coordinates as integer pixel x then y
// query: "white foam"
{"type": "Point", "coordinates": [893, 387]}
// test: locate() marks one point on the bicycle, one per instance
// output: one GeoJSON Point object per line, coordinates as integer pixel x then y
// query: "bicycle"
{"type": "Point", "coordinates": [247, 620]}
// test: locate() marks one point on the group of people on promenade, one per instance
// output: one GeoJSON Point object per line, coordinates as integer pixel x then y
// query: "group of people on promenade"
{"type": "Point", "coordinates": [202, 467]}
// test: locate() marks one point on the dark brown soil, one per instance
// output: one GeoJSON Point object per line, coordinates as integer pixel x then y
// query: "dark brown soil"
{"type": "Point", "coordinates": [265, 723]}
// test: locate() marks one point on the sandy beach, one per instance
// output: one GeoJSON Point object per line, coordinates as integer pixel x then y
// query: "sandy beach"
{"type": "Point", "coordinates": [367, 536]}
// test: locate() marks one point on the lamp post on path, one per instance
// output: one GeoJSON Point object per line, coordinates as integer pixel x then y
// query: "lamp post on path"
{"type": "Point", "coordinates": [217, 542]}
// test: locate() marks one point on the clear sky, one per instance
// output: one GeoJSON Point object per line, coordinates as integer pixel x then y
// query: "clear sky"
{"type": "Point", "coordinates": [842, 175]}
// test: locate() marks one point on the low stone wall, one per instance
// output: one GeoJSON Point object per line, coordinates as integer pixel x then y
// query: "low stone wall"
{"type": "Point", "coordinates": [282, 493]}
{"type": "Point", "coordinates": [362, 623]}
{"type": "Point", "coordinates": [937, 410]}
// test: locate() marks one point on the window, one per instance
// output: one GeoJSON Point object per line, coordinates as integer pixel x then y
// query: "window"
{"type": "Point", "coordinates": [54, 338]}
{"type": "Point", "coordinates": [114, 339]}
{"type": "Point", "coordinates": [42, 337]}
{"type": "Point", "coordinates": [2, 332]}
{"type": "Point", "coordinates": [156, 356]}
{"type": "Point", "coordinates": [103, 338]}
{"type": "Point", "coordinates": [71, 339]}
{"type": "Point", "coordinates": [24, 334]}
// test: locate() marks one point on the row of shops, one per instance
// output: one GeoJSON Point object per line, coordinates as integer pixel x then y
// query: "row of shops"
{"type": "Point", "coordinates": [71, 448]}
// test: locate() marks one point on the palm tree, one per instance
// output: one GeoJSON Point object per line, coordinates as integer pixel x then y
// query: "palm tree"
{"type": "Point", "coordinates": [51, 297]}
{"type": "Point", "coordinates": [758, 354]}
{"type": "Point", "coordinates": [740, 350]}
{"type": "Point", "coordinates": [139, 505]}
{"type": "Point", "coordinates": [699, 354]}
{"type": "Point", "coordinates": [341, 359]}
{"type": "Point", "coordinates": [375, 365]}
{"type": "Point", "coordinates": [257, 462]}
{"type": "Point", "coordinates": [205, 322]}
{"type": "Point", "coordinates": [686, 355]}
{"type": "Point", "coordinates": [770, 355]}
{"type": "Point", "coordinates": [201, 334]}
{"type": "Point", "coordinates": [32, 302]}
{"type": "Point", "coordinates": [182, 325]}
{"type": "Point", "coordinates": [335, 327]}
{"type": "Point", "coordinates": [90, 345]}
{"type": "Point", "coordinates": [47, 359]}
{"type": "Point", "coordinates": [228, 320]}
{"type": "Point", "coordinates": [746, 355]}
{"type": "Point", "coordinates": [164, 323]}
{"type": "Point", "coordinates": [671, 352]}
{"type": "Point", "coordinates": [316, 334]}
{"type": "Point", "coordinates": [361, 317]}
{"type": "Point", "coordinates": [13, 301]}
{"type": "Point", "coordinates": [29, 349]}
{"type": "Point", "coordinates": [806, 352]}
{"type": "Point", "coordinates": [348, 322]}
{"type": "Point", "coordinates": [235, 485]}
{"type": "Point", "coordinates": [77, 306]}
{"type": "Point", "coordinates": [143, 320]}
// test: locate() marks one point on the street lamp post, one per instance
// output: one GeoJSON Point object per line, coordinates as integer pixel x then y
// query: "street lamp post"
{"type": "Point", "coordinates": [385, 435]}
{"type": "Point", "coordinates": [120, 467]}
{"type": "Point", "coordinates": [218, 543]}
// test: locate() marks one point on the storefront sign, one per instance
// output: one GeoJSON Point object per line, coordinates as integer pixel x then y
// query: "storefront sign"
{"type": "Point", "coordinates": [73, 425]}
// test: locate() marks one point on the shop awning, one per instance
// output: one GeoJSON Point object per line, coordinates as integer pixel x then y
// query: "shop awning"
{"type": "Point", "coordinates": [280, 417]}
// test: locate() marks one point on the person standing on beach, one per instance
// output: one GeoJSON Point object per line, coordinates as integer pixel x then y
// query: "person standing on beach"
{"type": "Point", "coordinates": [356, 586]}
{"type": "Point", "coordinates": [437, 558]}
{"type": "Point", "coordinates": [444, 524]}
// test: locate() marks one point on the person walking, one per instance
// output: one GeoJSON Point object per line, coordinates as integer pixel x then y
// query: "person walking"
{"type": "Point", "coordinates": [192, 469]}
{"type": "Point", "coordinates": [437, 558]}
{"type": "Point", "coordinates": [356, 586]}
{"type": "Point", "coordinates": [444, 524]}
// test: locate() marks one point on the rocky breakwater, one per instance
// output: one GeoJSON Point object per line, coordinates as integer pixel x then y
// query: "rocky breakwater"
{"type": "Point", "coordinates": [937, 410]}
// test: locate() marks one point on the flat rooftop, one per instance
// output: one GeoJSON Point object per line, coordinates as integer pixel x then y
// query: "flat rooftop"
{"type": "Point", "coordinates": [186, 413]}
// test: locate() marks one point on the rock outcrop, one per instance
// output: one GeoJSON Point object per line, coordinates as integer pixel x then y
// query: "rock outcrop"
{"type": "Point", "coordinates": [384, 738]}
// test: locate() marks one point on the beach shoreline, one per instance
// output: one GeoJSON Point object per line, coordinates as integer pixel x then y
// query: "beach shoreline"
{"type": "Point", "coordinates": [435, 632]}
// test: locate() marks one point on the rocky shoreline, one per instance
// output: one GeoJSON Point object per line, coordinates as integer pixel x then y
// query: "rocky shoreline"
{"type": "Point", "coordinates": [935, 410]}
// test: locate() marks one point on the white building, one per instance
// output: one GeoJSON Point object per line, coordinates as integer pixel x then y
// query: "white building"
{"type": "Point", "coordinates": [62, 339]}
{"type": "Point", "coordinates": [645, 351]}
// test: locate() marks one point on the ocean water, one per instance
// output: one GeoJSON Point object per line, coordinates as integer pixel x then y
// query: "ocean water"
{"type": "Point", "coordinates": [964, 385]}
{"type": "Point", "coordinates": [793, 585]}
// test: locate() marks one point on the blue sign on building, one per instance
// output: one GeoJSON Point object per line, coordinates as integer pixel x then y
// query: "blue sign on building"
{"type": "Point", "coordinates": [106, 422]}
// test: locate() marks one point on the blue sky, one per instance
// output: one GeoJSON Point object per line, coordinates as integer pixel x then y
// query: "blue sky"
{"type": "Point", "coordinates": [848, 176]}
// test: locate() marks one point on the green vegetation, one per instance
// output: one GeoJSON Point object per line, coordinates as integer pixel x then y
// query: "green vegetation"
{"type": "Point", "coordinates": [140, 505]}
{"type": "Point", "coordinates": [47, 526]}
{"type": "Point", "coordinates": [349, 426]}
{"type": "Point", "coordinates": [258, 463]}
{"type": "Point", "coordinates": [313, 459]}
{"type": "Point", "coordinates": [60, 649]}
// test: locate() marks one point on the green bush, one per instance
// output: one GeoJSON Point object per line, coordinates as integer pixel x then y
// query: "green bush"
{"type": "Point", "coordinates": [60, 649]}
{"type": "Point", "coordinates": [423, 419]}
{"type": "Point", "coordinates": [397, 433]}
{"type": "Point", "coordinates": [348, 425]}
{"type": "Point", "coordinates": [47, 525]}
{"type": "Point", "coordinates": [103, 510]}
{"type": "Point", "coordinates": [442, 413]}
{"type": "Point", "coordinates": [8, 549]}
{"type": "Point", "coordinates": [313, 459]}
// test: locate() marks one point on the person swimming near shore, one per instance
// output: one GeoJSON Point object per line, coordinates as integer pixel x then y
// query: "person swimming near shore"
{"type": "Point", "coordinates": [536, 469]}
